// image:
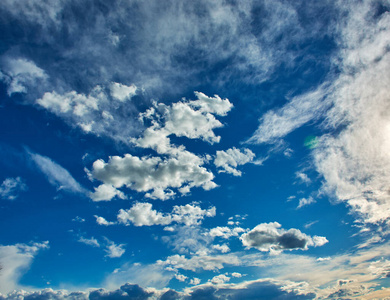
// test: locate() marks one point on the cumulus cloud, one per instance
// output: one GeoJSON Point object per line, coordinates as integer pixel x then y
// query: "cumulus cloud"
{"type": "Point", "coordinates": [224, 248]}
{"type": "Point", "coordinates": [11, 187]}
{"type": "Point", "coordinates": [142, 214]}
{"type": "Point", "coordinates": [220, 279]}
{"type": "Point", "coordinates": [193, 119]}
{"type": "Point", "coordinates": [56, 174]}
{"type": "Point", "coordinates": [122, 92]}
{"type": "Point", "coordinates": [154, 175]}
{"type": "Point", "coordinates": [15, 260]}
{"type": "Point", "coordinates": [103, 221]}
{"type": "Point", "coordinates": [106, 192]}
{"type": "Point", "coordinates": [229, 160]}
{"type": "Point", "coordinates": [270, 237]}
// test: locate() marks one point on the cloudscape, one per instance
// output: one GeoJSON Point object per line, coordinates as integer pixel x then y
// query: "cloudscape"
{"type": "Point", "coordinates": [195, 149]}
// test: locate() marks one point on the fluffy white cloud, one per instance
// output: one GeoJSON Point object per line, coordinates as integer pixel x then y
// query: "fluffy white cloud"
{"type": "Point", "coordinates": [106, 192]}
{"type": "Point", "coordinates": [142, 214]}
{"type": "Point", "coordinates": [229, 160]}
{"type": "Point", "coordinates": [122, 92]}
{"type": "Point", "coordinates": [220, 279]}
{"type": "Point", "coordinates": [103, 221]}
{"type": "Point", "coordinates": [15, 260]}
{"type": "Point", "coordinates": [195, 281]}
{"type": "Point", "coordinates": [181, 277]}
{"type": "Point", "coordinates": [20, 74]}
{"type": "Point", "coordinates": [271, 237]}
{"type": "Point", "coordinates": [192, 119]}
{"type": "Point", "coordinates": [153, 175]}
{"type": "Point", "coordinates": [10, 188]}
{"type": "Point", "coordinates": [57, 175]}
{"type": "Point", "coordinates": [223, 248]}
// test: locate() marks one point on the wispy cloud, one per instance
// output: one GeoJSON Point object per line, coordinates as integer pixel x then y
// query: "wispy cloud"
{"type": "Point", "coordinates": [56, 175]}
{"type": "Point", "coordinates": [11, 187]}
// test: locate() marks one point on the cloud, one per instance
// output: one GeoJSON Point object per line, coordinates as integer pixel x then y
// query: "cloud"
{"type": "Point", "coordinates": [103, 221]}
{"type": "Point", "coordinates": [20, 74]}
{"type": "Point", "coordinates": [122, 92]}
{"type": "Point", "coordinates": [181, 277]}
{"type": "Point", "coordinates": [142, 214]}
{"type": "Point", "coordinates": [113, 250]}
{"type": "Point", "coordinates": [15, 260]}
{"type": "Point", "coordinates": [354, 161]}
{"type": "Point", "coordinates": [225, 232]}
{"type": "Point", "coordinates": [102, 112]}
{"type": "Point", "coordinates": [219, 279]}
{"type": "Point", "coordinates": [106, 192]}
{"type": "Point", "coordinates": [193, 119]}
{"type": "Point", "coordinates": [90, 242]}
{"type": "Point", "coordinates": [200, 262]}
{"type": "Point", "coordinates": [270, 237]}
{"type": "Point", "coordinates": [11, 187]}
{"type": "Point", "coordinates": [276, 124]}
{"type": "Point", "coordinates": [305, 201]}
{"type": "Point", "coordinates": [153, 175]}
{"type": "Point", "coordinates": [224, 248]}
{"type": "Point", "coordinates": [57, 175]}
{"type": "Point", "coordinates": [229, 160]}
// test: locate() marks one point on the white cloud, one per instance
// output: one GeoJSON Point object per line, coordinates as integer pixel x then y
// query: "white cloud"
{"type": "Point", "coordinates": [236, 275]}
{"type": "Point", "coordinates": [301, 109]}
{"type": "Point", "coordinates": [200, 262]}
{"type": "Point", "coordinates": [142, 214]}
{"type": "Point", "coordinates": [192, 119]}
{"type": "Point", "coordinates": [181, 277]}
{"type": "Point", "coordinates": [305, 201]}
{"type": "Point", "coordinates": [270, 237]}
{"type": "Point", "coordinates": [21, 74]}
{"type": "Point", "coordinates": [90, 242]}
{"type": "Point", "coordinates": [229, 160]}
{"type": "Point", "coordinates": [15, 260]}
{"type": "Point", "coordinates": [154, 175]}
{"type": "Point", "coordinates": [195, 281]}
{"type": "Point", "coordinates": [355, 161]}
{"type": "Point", "coordinates": [11, 187]}
{"type": "Point", "coordinates": [113, 250]}
{"type": "Point", "coordinates": [95, 113]}
{"type": "Point", "coordinates": [103, 221]}
{"type": "Point", "coordinates": [57, 175]}
{"type": "Point", "coordinates": [302, 177]}
{"type": "Point", "coordinates": [122, 92]}
{"type": "Point", "coordinates": [225, 232]}
{"type": "Point", "coordinates": [223, 248]}
{"type": "Point", "coordinates": [106, 192]}
{"type": "Point", "coordinates": [220, 279]}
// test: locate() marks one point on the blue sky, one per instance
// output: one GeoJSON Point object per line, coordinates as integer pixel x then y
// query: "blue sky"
{"type": "Point", "coordinates": [194, 149]}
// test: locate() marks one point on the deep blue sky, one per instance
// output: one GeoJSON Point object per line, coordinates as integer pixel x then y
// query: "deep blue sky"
{"type": "Point", "coordinates": [194, 150]}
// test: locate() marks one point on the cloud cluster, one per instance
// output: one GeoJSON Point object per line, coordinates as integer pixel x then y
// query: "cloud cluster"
{"type": "Point", "coordinates": [270, 237]}
{"type": "Point", "coordinates": [229, 160]}
{"type": "Point", "coordinates": [142, 214]}
{"type": "Point", "coordinates": [104, 111]}
{"type": "Point", "coordinates": [11, 187]}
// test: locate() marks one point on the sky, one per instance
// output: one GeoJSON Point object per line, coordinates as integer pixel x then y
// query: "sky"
{"type": "Point", "coordinates": [194, 149]}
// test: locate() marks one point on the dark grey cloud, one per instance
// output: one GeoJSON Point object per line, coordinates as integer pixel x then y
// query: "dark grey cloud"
{"type": "Point", "coordinates": [271, 237]}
